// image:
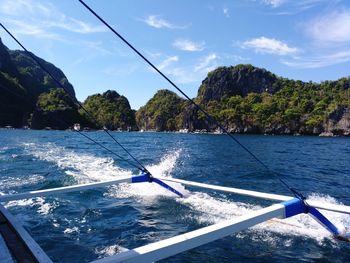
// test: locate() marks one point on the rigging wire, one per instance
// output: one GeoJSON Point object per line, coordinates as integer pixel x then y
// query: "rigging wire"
{"type": "Point", "coordinates": [209, 117]}
{"type": "Point", "coordinates": [140, 167]}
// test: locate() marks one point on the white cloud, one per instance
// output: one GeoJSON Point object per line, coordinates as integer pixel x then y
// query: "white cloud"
{"type": "Point", "coordinates": [274, 3]}
{"type": "Point", "coordinates": [207, 63]}
{"type": "Point", "coordinates": [188, 45]}
{"type": "Point", "coordinates": [330, 41]}
{"type": "Point", "coordinates": [189, 73]}
{"type": "Point", "coordinates": [38, 18]}
{"type": "Point", "coordinates": [166, 62]}
{"type": "Point", "coordinates": [158, 22]}
{"type": "Point", "coordinates": [319, 61]}
{"type": "Point", "coordinates": [292, 7]}
{"type": "Point", "coordinates": [266, 45]}
{"type": "Point", "coordinates": [331, 28]}
{"type": "Point", "coordinates": [77, 26]}
{"type": "Point", "coordinates": [26, 7]}
{"type": "Point", "coordinates": [226, 12]}
{"type": "Point", "coordinates": [19, 27]}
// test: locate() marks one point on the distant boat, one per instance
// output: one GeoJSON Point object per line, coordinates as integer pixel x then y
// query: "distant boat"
{"type": "Point", "coordinates": [218, 131]}
{"type": "Point", "coordinates": [183, 131]}
{"type": "Point", "coordinates": [76, 126]}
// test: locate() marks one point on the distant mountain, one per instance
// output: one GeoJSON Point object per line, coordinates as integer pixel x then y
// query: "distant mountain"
{"type": "Point", "coordinates": [21, 83]}
{"type": "Point", "coordinates": [247, 99]}
{"type": "Point", "coordinates": [253, 100]}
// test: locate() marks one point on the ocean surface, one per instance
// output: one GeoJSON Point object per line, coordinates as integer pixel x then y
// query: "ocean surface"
{"type": "Point", "coordinates": [84, 226]}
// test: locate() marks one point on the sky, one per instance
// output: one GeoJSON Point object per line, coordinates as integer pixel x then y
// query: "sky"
{"type": "Point", "coordinates": [306, 40]}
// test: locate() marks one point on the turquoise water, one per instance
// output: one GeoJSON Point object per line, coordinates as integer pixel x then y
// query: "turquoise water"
{"type": "Point", "coordinates": [83, 226]}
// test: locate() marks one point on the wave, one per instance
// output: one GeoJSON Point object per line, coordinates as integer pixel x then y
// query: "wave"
{"type": "Point", "coordinates": [43, 207]}
{"type": "Point", "coordinates": [10, 182]}
{"type": "Point", "coordinates": [84, 168]}
{"type": "Point", "coordinates": [88, 168]}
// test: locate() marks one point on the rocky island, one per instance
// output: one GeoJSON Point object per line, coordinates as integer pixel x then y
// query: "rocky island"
{"type": "Point", "coordinates": [246, 99]}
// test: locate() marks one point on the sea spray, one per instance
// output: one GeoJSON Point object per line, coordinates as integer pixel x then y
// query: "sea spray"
{"type": "Point", "coordinates": [89, 168]}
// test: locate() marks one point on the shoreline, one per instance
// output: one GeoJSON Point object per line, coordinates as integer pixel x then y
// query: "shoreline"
{"type": "Point", "coordinates": [323, 134]}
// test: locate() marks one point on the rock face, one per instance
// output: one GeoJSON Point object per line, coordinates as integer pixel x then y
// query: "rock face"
{"type": "Point", "coordinates": [238, 80]}
{"type": "Point", "coordinates": [247, 99]}
{"type": "Point", "coordinates": [21, 83]}
{"type": "Point", "coordinates": [338, 122]}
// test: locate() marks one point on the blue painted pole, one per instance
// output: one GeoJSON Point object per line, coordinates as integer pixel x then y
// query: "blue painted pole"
{"type": "Point", "coordinates": [297, 206]}
{"type": "Point", "coordinates": [146, 177]}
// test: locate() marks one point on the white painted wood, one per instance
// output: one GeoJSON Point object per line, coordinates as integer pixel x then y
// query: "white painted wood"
{"type": "Point", "coordinates": [127, 179]}
{"type": "Point", "coordinates": [5, 255]}
{"type": "Point", "coordinates": [29, 241]}
{"type": "Point", "coordinates": [330, 207]}
{"type": "Point", "coordinates": [65, 189]}
{"type": "Point", "coordinates": [171, 246]}
{"type": "Point", "coordinates": [275, 197]}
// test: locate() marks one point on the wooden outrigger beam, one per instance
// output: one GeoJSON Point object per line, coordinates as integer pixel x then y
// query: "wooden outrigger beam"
{"type": "Point", "coordinates": [174, 245]}
{"type": "Point", "coordinates": [135, 179]}
{"type": "Point", "coordinates": [64, 189]}
{"type": "Point", "coordinates": [275, 197]}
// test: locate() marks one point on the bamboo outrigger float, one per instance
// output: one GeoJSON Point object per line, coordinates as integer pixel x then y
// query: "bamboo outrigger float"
{"type": "Point", "coordinates": [290, 206]}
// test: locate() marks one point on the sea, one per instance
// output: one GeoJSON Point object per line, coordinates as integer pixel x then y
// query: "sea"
{"type": "Point", "coordinates": [92, 224]}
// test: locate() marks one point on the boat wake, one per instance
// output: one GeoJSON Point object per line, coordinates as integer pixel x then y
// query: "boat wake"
{"type": "Point", "coordinates": [86, 168]}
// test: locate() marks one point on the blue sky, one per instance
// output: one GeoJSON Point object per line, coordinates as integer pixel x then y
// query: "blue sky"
{"type": "Point", "coordinates": [307, 40]}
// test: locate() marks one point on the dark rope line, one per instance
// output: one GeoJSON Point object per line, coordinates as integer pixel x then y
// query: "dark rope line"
{"type": "Point", "coordinates": [142, 168]}
{"type": "Point", "coordinates": [112, 152]}
{"type": "Point", "coordinates": [65, 123]}
{"type": "Point", "coordinates": [209, 117]}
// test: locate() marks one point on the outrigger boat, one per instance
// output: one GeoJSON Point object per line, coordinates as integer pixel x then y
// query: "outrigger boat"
{"type": "Point", "coordinates": [16, 245]}
{"type": "Point", "coordinates": [29, 251]}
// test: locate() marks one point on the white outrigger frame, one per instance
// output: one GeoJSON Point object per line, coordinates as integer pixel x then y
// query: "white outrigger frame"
{"type": "Point", "coordinates": [289, 207]}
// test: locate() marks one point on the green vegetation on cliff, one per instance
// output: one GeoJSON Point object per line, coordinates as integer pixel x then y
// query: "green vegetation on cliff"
{"type": "Point", "coordinates": [280, 106]}
{"type": "Point", "coordinates": [21, 83]}
{"type": "Point", "coordinates": [55, 109]}
{"type": "Point", "coordinates": [246, 99]}
{"type": "Point", "coordinates": [110, 110]}
{"type": "Point", "coordinates": [161, 113]}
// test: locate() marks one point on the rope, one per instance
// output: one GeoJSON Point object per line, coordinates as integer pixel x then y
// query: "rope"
{"type": "Point", "coordinates": [209, 117]}
{"type": "Point", "coordinates": [142, 168]}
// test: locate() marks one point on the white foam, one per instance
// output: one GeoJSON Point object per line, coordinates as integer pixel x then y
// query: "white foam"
{"type": "Point", "coordinates": [208, 210]}
{"type": "Point", "coordinates": [84, 168]}
{"type": "Point", "coordinates": [109, 250]}
{"type": "Point", "coordinates": [213, 210]}
{"type": "Point", "coordinates": [150, 191]}
{"type": "Point", "coordinates": [43, 207]}
{"type": "Point", "coordinates": [9, 182]}
{"type": "Point", "coordinates": [71, 230]}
